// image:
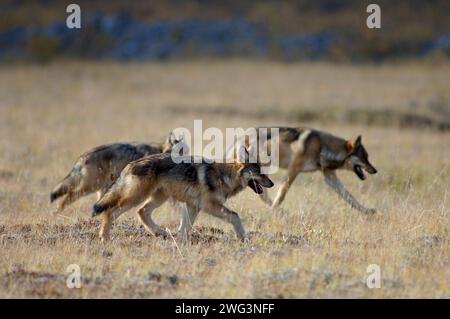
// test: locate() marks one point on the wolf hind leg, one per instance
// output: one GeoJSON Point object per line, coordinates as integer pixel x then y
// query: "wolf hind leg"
{"type": "Point", "coordinates": [332, 180]}
{"type": "Point", "coordinates": [82, 189]}
{"type": "Point", "coordinates": [68, 199]}
{"type": "Point", "coordinates": [145, 214]}
{"type": "Point", "coordinates": [294, 169]}
{"type": "Point", "coordinates": [71, 197]}
{"type": "Point", "coordinates": [108, 219]}
{"type": "Point", "coordinates": [105, 227]}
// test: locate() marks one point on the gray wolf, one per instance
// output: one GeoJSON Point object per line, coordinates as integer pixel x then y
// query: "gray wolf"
{"type": "Point", "coordinates": [98, 168]}
{"type": "Point", "coordinates": [308, 150]}
{"type": "Point", "coordinates": [206, 186]}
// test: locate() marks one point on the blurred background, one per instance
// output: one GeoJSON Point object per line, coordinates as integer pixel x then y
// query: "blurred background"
{"type": "Point", "coordinates": [290, 30]}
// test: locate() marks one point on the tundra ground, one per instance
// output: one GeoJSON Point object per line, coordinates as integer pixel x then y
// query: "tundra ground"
{"type": "Point", "coordinates": [317, 247]}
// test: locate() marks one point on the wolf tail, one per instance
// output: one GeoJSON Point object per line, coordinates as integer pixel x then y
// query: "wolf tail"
{"type": "Point", "coordinates": [111, 199]}
{"type": "Point", "coordinates": [70, 182]}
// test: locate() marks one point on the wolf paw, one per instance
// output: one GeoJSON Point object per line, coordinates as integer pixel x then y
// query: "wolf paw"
{"type": "Point", "coordinates": [244, 239]}
{"type": "Point", "coordinates": [161, 233]}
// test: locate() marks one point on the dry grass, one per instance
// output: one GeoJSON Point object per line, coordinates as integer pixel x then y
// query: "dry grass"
{"type": "Point", "coordinates": [319, 247]}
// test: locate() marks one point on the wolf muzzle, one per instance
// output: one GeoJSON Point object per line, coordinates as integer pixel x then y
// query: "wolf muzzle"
{"type": "Point", "coordinates": [372, 170]}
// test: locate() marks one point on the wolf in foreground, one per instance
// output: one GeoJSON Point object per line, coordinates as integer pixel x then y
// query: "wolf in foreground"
{"type": "Point", "coordinates": [201, 186]}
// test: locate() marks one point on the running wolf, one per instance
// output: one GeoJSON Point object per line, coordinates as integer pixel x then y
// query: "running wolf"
{"type": "Point", "coordinates": [201, 186]}
{"type": "Point", "coordinates": [309, 150]}
{"type": "Point", "coordinates": [97, 169]}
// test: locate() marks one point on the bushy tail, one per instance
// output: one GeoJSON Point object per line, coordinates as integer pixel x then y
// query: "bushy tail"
{"type": "Point", "coordinates": [109, 200]}
{"type": "Point", "coordinates": [69, 183]}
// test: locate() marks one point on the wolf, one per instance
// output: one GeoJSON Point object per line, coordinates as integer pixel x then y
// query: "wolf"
{"type": "Point", "coordinates": [98, 168]}
{"type": "Point", "coordinates": [308, 150]}
{"type": "Point", "coordinates": [201, 185]}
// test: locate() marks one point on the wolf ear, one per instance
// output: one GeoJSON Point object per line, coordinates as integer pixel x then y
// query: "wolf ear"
{"type": "Point", "coordinates": [243, 155]}
{"type": "Point", "coordinates": [353, 145]}
{"type": "Point", "coordinates": [358, 141]}
{"type": "Point", "coordinates": [172, 139]}
{"type": "Point", "coordinates": [179, 139]}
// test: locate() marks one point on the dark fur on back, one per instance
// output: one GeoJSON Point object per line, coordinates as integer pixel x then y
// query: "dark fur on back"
{"type": "Point", "coordinates": [121, 151]}
{"type": "Point", "coordinates": [287, 134]}
{"type": "Point", "coordinates": [162, 164]}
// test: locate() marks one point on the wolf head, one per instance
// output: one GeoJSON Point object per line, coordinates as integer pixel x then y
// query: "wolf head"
{"type": "Point", "coordinates": [358, 159]}
{"type": "Point", "coordinates": [176, 144]}
{"type": "Point", "coordinates": [250, 173]}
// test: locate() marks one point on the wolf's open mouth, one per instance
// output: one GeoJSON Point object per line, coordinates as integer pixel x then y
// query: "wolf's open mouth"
{"type": "Point", "coordinates": [257, 188]}
{"type": "Point", "coordinates": [359, 171]}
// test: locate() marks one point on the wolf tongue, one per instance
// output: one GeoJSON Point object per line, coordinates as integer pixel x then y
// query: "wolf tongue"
{"type": "Point", "coordinates": [359, 172]}
{"type": "Point", "coordinates": [255, 186]}
{"type": "Point", "coordinates": [258, 187]}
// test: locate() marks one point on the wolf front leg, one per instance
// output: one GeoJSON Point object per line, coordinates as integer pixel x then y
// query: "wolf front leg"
{"type": "Point", "coordinates": [332, 180]}
{"type": "Point", "coordinates": [226, 214]}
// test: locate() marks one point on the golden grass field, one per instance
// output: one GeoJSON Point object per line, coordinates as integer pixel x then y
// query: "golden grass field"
{"type": "Point", "coordinates": [318, 247]}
